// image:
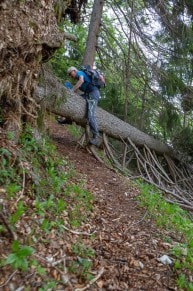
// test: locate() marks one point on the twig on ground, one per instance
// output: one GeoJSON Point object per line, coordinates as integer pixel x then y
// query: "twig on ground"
{"type": "Point", "coordinates": [10, 277]}
{"type": "Point", "coordinates": [139, 221]}
{"type": "Point", "coordinates": [78, 232]}
{"type": "Point", "coordinates": [23, 188]}
{"type": "Point", "coordinates": [81, 141]}
{"type": "Point", "coordinates": [92, 281]}
{"type": "Point", "coordinates": [20, 288]}
{"type": "Point", "coordinates": [64, 274]}
{"type": "Point", "coordinates": [50, 261]}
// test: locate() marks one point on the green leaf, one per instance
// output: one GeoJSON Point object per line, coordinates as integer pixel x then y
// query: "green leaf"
{"type": "Point", "coordinates": [15, 246]}
{"type": "Point", "coordinates": [11, 259]}
{"type": "Point", "coordinates": [25, 251]}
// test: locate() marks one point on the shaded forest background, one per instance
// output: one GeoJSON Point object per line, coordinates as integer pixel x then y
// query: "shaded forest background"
{"type": "Point", "coordinates": [145, 54]}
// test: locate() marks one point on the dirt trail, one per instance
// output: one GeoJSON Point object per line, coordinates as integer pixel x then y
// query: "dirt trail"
{"type": "Point", "coordinates": [127, 243]}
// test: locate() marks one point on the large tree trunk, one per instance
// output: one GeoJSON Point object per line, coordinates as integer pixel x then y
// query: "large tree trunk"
{"type": "Point", "coordinates": [62, 101]}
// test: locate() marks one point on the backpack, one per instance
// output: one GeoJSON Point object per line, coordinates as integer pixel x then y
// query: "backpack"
{"type": "Point", "coordinates": [96, 77]}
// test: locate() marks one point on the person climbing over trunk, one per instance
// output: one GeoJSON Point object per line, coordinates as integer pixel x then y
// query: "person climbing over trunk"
{"type": "Point", "coordinates": [91, 95]}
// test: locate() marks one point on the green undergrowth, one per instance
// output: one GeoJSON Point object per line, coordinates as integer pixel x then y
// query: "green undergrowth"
{"type": "Point", "coordinates": [41, 201]}
{"type": "Point", "coordinates": [171, 217]}
{"type": "Point", "coordinates": [75, 130]}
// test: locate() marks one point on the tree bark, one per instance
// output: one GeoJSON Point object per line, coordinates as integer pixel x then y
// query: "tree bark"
{"type": "Point", "coordinates": [64, 102]}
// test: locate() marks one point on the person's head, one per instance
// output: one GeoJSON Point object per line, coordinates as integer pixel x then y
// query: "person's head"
{"type": "Point", "coordinates": [72, 72]}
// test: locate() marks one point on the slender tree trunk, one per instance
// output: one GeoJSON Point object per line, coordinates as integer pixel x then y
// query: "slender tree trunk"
{"type": "Point", "coordinates": [184, 119]}
{"type": "Point", "coordinates": [141, 124]}
{"type": "Point", "coordinates": [128, 71]}
{"type": "Point", "coordinates": [92, 38]}
{"type": "Point", "coordinates": [126, 95]}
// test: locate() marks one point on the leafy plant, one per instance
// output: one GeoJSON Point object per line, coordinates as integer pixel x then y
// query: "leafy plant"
{"type": "Point", "coordinates": [172, 217]}
{"type": "Point", "coordinates": [12, 189]}
{"type": "Point", "coordinates": [181, 281]}
{"type": "Point", "coordinates": [20, 210]}
{"type": "Point", "coordinates": [39, 269]}
{"type": "Point", "coordinates": [50, 285]}
{"type": "Point", "coordinates": [10, 135]}
{"type": "Point", "coordinates": [74, 130]}
{"type": "Point", "coordinates": [83, 251]}
{"type": "Point", "coordinates": [48, 194]}
{"type": "Point", "coordinates": [1, 228]}
{"type": "Point", "coordinates": [8, 172]}
{"type": "Point", "coordinates": [82, 268]}
{"type": "Point", "coordinates": [83, 204]}
{"type": "Point", "coordinates": [83, 264]}
{"type": "Point", "coordinates": [18, 259]}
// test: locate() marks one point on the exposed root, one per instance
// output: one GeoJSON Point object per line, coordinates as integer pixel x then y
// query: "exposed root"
{"type": "Point", "coordinates": [172, 177]}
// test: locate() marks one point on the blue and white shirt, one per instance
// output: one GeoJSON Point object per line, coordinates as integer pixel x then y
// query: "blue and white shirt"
{"type": "Point", "coordinates": [87, 80]}
{"type": "Point", "coordinates": [87, 87]}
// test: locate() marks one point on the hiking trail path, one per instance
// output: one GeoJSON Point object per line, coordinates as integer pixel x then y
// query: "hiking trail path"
{"type": "Point", "coordinates": [127, 241]}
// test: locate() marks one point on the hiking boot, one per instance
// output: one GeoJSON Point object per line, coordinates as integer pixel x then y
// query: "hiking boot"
{"type": "Point", "coordinates": [94, 141]}
{"type": "Point", "coordinates": [63, 121]}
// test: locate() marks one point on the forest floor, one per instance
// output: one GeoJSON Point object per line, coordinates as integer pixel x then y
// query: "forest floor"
{"type": "Point", "coordinates": [127, 241]}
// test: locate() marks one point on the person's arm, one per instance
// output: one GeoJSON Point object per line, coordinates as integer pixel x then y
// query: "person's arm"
{"type": "Point", "coordinates": [79, 83]}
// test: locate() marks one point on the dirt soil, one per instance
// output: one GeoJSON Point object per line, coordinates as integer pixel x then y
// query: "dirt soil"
{"type": "Point", "coordinates": [128, 243]}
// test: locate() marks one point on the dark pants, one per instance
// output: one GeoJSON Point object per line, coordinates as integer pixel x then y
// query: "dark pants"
{"type": "Point", "coordinates": [91, 103]}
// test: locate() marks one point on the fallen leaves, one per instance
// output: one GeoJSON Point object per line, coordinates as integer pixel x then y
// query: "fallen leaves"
{"type": "Point", "coordinates": [126, 241]}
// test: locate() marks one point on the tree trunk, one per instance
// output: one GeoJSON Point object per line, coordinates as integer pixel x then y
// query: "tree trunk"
{"type": "Point", "coordinates": [64, 102]}
{"type": "Point", "coordinates": [94, 26]}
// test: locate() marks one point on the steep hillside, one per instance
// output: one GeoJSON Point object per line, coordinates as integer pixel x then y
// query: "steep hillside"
{"type": "Point", "coordinates": [116, 247]}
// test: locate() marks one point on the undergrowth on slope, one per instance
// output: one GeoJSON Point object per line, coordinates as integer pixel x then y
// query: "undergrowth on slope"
{"type": "Point", "coordinates": [172, 217]}
{"type": "Point", "coordinates": [39, 206]}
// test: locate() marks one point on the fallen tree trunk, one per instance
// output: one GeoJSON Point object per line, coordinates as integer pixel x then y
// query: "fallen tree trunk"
{"type": "Point", "coordinates": [64, 102]}
{"type": "Point", "coordinates": [155, 161]}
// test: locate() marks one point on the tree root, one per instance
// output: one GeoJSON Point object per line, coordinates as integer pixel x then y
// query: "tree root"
{"type": "Point", "coordinates": [173, 178]}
